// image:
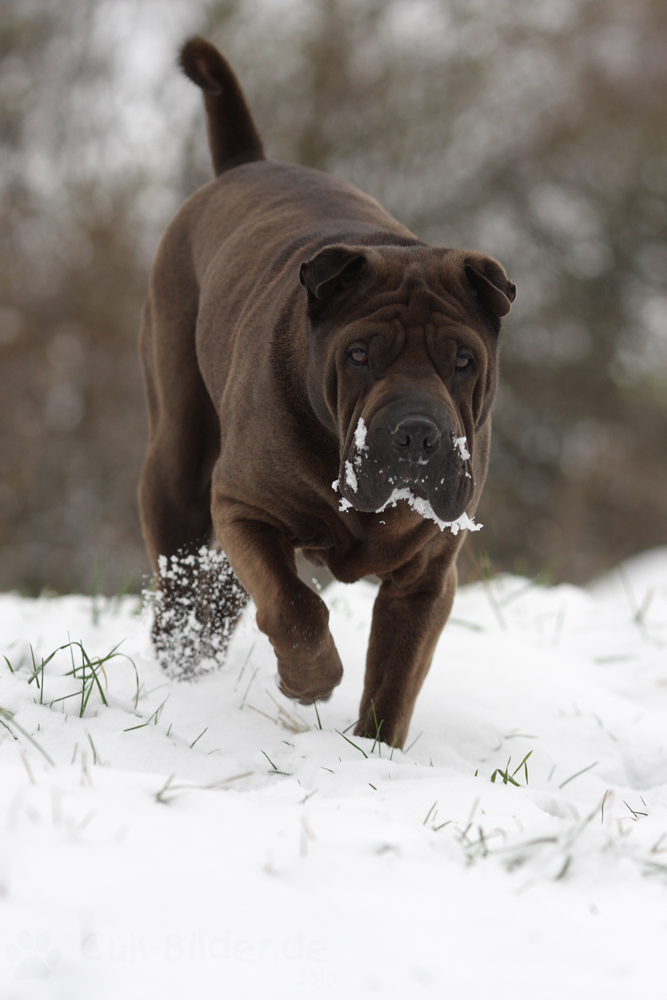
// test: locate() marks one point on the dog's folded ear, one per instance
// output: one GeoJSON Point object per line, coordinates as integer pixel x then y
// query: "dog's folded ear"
{"type": "Point", "coordinates": [490, 283]}
{"type": "Point", "coordinates": [328, 272]}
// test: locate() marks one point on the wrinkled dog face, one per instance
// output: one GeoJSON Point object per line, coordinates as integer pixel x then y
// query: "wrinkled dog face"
{"type": "Point", "coordinates": [408, 425]}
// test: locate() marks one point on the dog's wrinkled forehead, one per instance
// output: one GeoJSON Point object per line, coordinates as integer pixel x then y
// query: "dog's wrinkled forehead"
{"type": "Point", "coordinates": [418, 278]}
{"type": "Point", "coordinates": [414, 293]}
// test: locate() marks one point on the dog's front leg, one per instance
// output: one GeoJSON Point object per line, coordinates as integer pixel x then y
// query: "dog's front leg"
{"type": "Point", "coordinates": [407, 622]}
{"type": "Point", "coordinates": [294, 618]}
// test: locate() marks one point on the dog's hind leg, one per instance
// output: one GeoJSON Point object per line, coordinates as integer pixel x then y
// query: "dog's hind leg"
{"type": "Point", "coordinates": [197, 601]}
{"type": "Point", "coordinates": [184, 439]}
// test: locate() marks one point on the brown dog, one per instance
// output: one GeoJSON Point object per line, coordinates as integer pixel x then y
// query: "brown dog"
{"type": "Point", "coordinates": [296, 336]}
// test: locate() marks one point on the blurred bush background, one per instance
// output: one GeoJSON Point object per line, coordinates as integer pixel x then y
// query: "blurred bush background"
{"type": "Point", "coordinates": [534, 132]}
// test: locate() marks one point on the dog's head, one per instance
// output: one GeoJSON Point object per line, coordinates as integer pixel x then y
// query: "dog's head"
{"type": "Point", "coordinates": [402, 366]}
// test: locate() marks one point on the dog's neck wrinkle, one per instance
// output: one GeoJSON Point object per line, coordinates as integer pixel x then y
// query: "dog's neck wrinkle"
{"type": "Point", "coordinates": [368, 544]}
{"type": "Point", "coordinates": [290, 356]}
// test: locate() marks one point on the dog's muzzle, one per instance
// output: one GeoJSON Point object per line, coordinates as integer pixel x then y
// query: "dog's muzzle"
{"type": "Point", "coordinates": [409, 447]}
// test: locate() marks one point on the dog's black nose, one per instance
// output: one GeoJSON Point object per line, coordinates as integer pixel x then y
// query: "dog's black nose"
{"type": "Point", "coordinates": [416, 437]}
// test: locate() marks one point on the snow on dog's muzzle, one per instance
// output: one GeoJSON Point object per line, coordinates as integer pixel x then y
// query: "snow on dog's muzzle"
{"type": "Point", "coordinates": [405, 448]}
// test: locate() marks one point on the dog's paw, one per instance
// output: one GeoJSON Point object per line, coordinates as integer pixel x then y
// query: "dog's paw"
{"type": "Point", "coordinates": [196, 604]}
{"type": "Point", "coordinates": [312, 679]}
{"type": "Point", "coordinates": [383, 723]}
{"type": "Point", "coordinates": [304, 697]}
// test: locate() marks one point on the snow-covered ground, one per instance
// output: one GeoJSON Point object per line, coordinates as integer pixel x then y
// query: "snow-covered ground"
{"type": "Point", "coordinates": [210, 839]}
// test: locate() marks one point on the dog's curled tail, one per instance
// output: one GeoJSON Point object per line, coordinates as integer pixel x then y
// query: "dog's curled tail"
{"type": "Point", "coordinates": [232, 134]}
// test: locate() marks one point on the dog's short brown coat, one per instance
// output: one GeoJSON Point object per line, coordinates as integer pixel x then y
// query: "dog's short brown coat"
{"type": "Point", "coordinates": [270, 288]}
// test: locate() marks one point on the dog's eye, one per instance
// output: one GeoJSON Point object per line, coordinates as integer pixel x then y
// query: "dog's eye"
{"type": "Point", "coordinates": [464, 362]}
{"type": "Point", "coordinates": [358, 356]}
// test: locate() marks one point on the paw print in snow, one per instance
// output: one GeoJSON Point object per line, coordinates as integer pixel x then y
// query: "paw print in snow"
{"type": "Point", "coordinates": [36, 964]}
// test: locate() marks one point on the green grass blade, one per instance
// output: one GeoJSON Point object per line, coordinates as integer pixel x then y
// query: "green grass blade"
{"type": "Point", "coordinates": [583, 771]}
{"type": "Point", "coordinates": [352, 744]}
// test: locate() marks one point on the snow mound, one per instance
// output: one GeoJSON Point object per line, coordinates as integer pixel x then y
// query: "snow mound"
{"type": "Point", "coordinates": [165, 839]}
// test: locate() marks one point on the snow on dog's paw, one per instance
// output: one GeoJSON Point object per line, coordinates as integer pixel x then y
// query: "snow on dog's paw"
{"type": "Point", "coordinates": [196, 605]}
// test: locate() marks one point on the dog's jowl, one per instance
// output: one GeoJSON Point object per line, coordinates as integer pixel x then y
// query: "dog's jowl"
{"type": "Point", "coordinates": [319, 379]}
